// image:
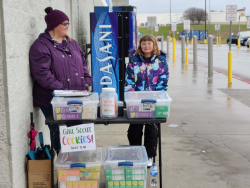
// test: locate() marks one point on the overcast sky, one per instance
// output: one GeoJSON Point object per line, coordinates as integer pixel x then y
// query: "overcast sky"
{"type": "Point", "coordinates": [160, 6]}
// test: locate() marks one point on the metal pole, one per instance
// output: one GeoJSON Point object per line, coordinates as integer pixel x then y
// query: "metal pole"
{"type": "Point", "coordinates": [170, 19]}
{"type": "Point", "coordinates": [205, 19]}
{"type": "Point", "coordinates": [52, 154]}
{"type": "Point", "coordinates": [230, 38]}
{"type": "Point", "coordinates": [192, 37]}
{"type": "Point", "coordinates": [230, 70]}
{"type": "Point", "coordinates": [209, 21]}
{"type": "Point", "coordinates": [187, 50]}
{"type": "Point", "coordinates": [195, 51]}
{"type": "Point", "coordinates": [239, 25]}
{"type": "Point", "coordinates": [151, 26]}
{"type": "Point", "coordinates": [168, 46]}
{"type": "Point", "coordinates": [186, 55]}
{"type": "Point", "coordinates": [187, 40]}
{"type": "Point", "coordinates": [161, 43]}
{"type": "Point", "coordinates": [170, 12]}
{"type": "Point", "coordinates": [160, 162]}
{"type": "Point", "coordinates": [209, 16]}
{"type": "Point", "coordinates": [210, 54]}
{"type": "Point", "coordinates": [217, 38]}
{"type": "Point", "coordinates": [173, 45]}
{"type": "Point", "coordinates": [239, 33]}
{"type": "Point", "coordinates": [183, 49]}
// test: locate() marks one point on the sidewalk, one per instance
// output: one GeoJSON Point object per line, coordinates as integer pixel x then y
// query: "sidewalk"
{"type": "Point", "coordinates": [210, 145]}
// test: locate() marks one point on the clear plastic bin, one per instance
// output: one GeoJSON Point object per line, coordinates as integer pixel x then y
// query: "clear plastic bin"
{"type": "Point", "coordinates": [147, 104]}
{"type": "Point", "coordinates": [79, 169]}
{"type": "Point", "coordinates": [75, 108]}
{"type": "Point", "coordinates": [125, 166]}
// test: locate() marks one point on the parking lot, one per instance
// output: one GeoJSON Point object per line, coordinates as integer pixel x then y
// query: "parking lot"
{"type": "Point", "coordinates": [241, 58]}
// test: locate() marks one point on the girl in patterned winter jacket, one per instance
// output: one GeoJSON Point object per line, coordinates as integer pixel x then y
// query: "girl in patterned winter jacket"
{"type": "Point", "coordinates": [147, 71]}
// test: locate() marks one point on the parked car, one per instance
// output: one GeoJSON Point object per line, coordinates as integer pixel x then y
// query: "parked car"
{"type": "Point", "coordinates": [158, 38]}
{"type": "Point", "coordinates": [248, 41]}
{"type": "Point", "coordinates": [214, 38]}
{"type": "Point", "coordinates": [235, 39]}
{"type": "Point", "coordinates": [243, 41]}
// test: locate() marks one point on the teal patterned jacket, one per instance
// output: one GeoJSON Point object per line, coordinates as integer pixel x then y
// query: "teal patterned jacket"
{"type": "Point", "coordinates": [142, 76]}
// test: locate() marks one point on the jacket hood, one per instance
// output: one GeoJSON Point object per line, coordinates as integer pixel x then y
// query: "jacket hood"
{"type": "Point", "coordinates": [45, 35]}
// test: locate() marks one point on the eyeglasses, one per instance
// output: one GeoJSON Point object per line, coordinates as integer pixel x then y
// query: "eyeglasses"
{"type": "Point", "coordinates": [65, 24]}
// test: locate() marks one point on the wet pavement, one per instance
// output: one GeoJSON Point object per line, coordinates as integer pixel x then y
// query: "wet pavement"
{"type": "Point", "coordinates": [210, 146]}
{"type": "Point", "coordinates": [241, 58]}
{"type": "Point", "coordinates": [205, 142]}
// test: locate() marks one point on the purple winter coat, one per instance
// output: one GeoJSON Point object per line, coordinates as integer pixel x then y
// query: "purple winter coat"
{"type": "Point", "coordinates": [55, 67]}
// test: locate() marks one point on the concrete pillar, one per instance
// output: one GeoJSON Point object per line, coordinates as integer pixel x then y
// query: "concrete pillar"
{"type": "Point", "coordinates": [210, 54]}
{"type": "Point", "coordinates": [195, 51]}
{"type": "Point", "coordinates": [183, 49]}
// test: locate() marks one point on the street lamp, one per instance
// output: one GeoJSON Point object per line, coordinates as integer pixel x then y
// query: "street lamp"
{"type": "Point", "coordinates": [170, 11]}
{"type": "Point", "coordinates": [170, 19]}
{"type": "Point", "coordinates": [205, 19]}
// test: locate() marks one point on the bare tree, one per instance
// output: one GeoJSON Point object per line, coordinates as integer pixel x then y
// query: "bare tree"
{"type": "Point", "coordinates": [195, 14]}
{"type": "Point", "coordinates": [200, 15]}
{"type": "Point", "coordinates": [190, 14]}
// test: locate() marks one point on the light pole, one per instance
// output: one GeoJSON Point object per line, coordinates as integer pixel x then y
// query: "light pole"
{"type": "Point", "coordinates": [170, 11]}
{"type": "Point", "coordinates": [205, 19]}
{"type": "Point", "coordinates": [209, 18]}
{"type": "Point", "coordinates": [170, 18]}
{"type": "Point", "coordinates": [239, 33]}
{"type": "Point", "coordinates": [239, 25]}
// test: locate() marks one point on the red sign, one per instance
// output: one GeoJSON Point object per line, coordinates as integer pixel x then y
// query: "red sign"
{"type": "Point", "coordinates": [170, 32]}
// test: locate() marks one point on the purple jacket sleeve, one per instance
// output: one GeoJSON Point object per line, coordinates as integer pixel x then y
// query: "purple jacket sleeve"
{"type": "Point", "coordinates": [87, 76]}
{"type": "Point", "coordinates": [40, 62]}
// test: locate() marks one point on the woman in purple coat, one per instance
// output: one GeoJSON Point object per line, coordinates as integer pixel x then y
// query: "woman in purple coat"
{"type": "Point", "coordinates": [56, 62]}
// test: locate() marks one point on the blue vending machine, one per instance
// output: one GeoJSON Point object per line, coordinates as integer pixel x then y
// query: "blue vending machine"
{"type": "Point", "coordinates": [202, 34]}
{"type": "Point", "coordinates": [197, 33]}
{"type": "Point", "coordinates": [190, 35]}
{"type": "Point", "coordinates": [112, 35]}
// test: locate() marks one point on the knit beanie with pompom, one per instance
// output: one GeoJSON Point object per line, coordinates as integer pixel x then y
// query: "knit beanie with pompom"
{"type": "Point", "coordinates": [54, 18]}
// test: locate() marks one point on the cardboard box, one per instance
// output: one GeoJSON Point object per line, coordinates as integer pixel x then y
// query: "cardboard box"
{"type": "Point", "coordinates": [39, 173]}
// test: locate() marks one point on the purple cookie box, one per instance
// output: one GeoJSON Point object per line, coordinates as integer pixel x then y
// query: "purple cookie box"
{"type": "Point", "coordinates": [135, 109]}
{"type": "Point", "coordinates": [70, 116]}
{"type": "Point", "coordinates": [66, 114]}
{"type": "Point", "coordinates": [63, 110]}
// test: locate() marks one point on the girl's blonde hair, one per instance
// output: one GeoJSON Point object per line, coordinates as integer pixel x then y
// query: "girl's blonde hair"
{"type": "Point", "coordinates": [148, 38]}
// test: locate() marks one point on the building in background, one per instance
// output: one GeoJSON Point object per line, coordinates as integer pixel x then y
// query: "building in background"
{"type": "Point", "coordinates": [120, 2]}
{"type": "Point", "coordinates": [164, 18]}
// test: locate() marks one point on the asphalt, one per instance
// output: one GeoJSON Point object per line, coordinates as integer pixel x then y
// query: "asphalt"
{"type": "Point", "coordinates": [205, 142]}
{"type": "Point", "coordinates": [240, 61]}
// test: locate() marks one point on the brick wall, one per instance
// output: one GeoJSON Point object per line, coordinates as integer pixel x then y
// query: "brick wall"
{"type": "Point", "coordinates": [22, 22]}
{"type": "Point", "coordinates": [5, 180]}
